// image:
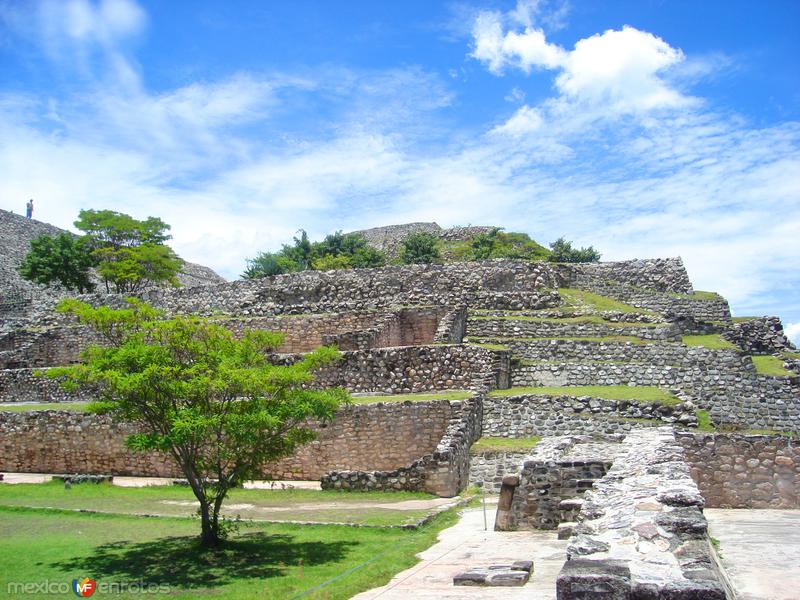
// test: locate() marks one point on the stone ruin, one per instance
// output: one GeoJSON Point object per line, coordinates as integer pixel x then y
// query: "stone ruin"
{"type": "Point", "coordinates": [624, 480]}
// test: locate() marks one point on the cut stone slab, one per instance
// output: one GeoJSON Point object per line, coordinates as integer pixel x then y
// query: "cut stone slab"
{"type": "Point", "coordinates": [516, 574]}
{"type": "Point", "coordinates": [565, 530]}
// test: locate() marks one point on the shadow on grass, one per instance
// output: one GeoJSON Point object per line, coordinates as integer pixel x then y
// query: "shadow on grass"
{"type": "Point", "coordinates": [182, 562]}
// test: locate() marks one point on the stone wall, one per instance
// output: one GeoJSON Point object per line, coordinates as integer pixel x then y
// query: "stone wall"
{"type": "Point", "coordinates": [744, 471]}
{"type": "Point", "coordinates": [23, 385]}
{"type": "Point", "coordinates": [759, 336]}
{"type": "Point", "coordinates": [641, 532]}
{"type": "Point", "coordinates": [657, 274]}
{"type": "Point", "coordinates": [662, 354]}
{"type": "Point", "coordinates": [389, 239]}
{"type": "Point", "coordinates": [529, 415]}
{"type": "Point", "coordinates": [445, 472]}
{"type": "Point", "coordinates": [559, 468]}
{"type": "Point", "coordinates": [496, 327]}
{"type": "Point", "coordinates": [487, 469]}
{"type": "Point", "coordinates": [69, 442]}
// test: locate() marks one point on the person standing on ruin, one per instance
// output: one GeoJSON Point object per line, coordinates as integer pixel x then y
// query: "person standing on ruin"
{"type": "Point", "coordinates": [29, 209]}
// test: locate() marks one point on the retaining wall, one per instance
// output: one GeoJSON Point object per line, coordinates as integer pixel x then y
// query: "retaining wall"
{"type": "Point", "coordinates": [483, 327]}
{"type": "Point", "coordinates": [744, 471]}
{"type": "Point", "coordinates": [69, 442]}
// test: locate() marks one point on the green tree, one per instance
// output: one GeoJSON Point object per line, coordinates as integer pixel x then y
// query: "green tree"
{"type": "Point", "coordinates": [63, 258]}
{"type": "Point", "coordinates": [130, 254]}
{"type": "Point", "coordinates": [330, 263]}
{"type": "Point", "coordinates": [212, 402]}
{"type": "Point", "coordinates": [420, 248]}
{"type": "Point", "coordinates": [266, 264]}
{"type": "Point", "coordinates": [562, 251]}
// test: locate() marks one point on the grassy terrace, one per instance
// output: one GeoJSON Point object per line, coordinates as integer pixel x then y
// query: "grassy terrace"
{"type": "Point", "coordinates": [577, 298]}
{"type": "Point", "coordinates": [609, 339]}
{"type": "Point", "coordinates": [583, 320]}
{"type": "Point", "coordinates": [363, 508]}
{"type": "Point", "coordinates": [771, 365]}
{"type": "Point", "coordinates": [259, 560]}
{"type": "Point", "coordinates": [713, 341]}
{"type": "Point", "coordinates": [698, 295]}
{"type": "Point", "coordinates": [609, 392]}
{"type": "Point", "coordinates": [19, 407]}
{"type": "Point", "coordinates": [502, 444]}
{"type": "Point", "coordinates": [704, 424]}
{"type": "Point", "coordinates": [419, 397]}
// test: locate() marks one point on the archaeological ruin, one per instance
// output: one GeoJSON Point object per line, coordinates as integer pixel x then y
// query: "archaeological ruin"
{"type": "Point", "coordinates": [643, 401]}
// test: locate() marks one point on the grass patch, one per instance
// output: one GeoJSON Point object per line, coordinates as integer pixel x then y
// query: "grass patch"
{"type": "Point", "coordinates": [609, 392]}
{"type": "Point", "coordinates": [260, 561]}
{"type": "Point", "coordinates": [575, 297]}
{"type": "Point", "coordinates": [418, 397]}
{"type": "Point", "coordinates": [503, 444]}
{"type": "Point", "coordinates": [489, 346]}
{"type": "Point", "coordinates": [713, 341]}
{"type": "Point", "coordinates": [610, 339]}
{"type": "Point", "coordinates": [743, 319]}
{"type": "Point", "coordinates": [173, 500]}
{"type": "Point", "coordinates": [699, 295]}
{"type": "Point", "coordinates": [70, 406]}
{"type": "Point", "coordinates": [771, 365]}
{"type": "Point", "coordinates": [582, 320]}
{"type": "Point", "coordinates": [704, 421]}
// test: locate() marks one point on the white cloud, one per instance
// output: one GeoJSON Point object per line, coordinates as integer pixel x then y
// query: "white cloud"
{"type": "Point", "coordinates": [524, 121]}
{"type": "Point", "coordinates": [792, 331]}
{"type": "Point", "coordinates": [85, 21]}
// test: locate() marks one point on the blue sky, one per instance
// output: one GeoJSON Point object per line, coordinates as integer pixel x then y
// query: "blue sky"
{"type": "Point", "coordinates": [644, 128]}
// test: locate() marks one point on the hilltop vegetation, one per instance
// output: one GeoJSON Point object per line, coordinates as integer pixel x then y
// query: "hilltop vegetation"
{"type": "Point", "coordinates": [353, 251]}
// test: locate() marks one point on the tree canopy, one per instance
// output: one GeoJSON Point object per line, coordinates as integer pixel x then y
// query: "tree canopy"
{"type": "Point", "coordinates": [336, 251]}
{"type": "Point", "coordinates": [562, 251]}
{"type": "Point", "coordinates": [420, 248]}
{"type": "Point", "coordinates": [63, 258]}
{"type": "Point", "coordinates": [213, 402]}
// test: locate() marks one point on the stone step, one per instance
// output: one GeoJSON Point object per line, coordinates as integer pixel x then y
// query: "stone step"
{"type": "Point", "coordinates": [565, 530]}
{"type": "Point", "coordinates": [513, 575]}
{"type": "Point", "coordinates": [571, 504]}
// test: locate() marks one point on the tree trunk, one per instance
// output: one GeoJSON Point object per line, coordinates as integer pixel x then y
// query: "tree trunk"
{"type": "Point", "coordinates": [210, 527]}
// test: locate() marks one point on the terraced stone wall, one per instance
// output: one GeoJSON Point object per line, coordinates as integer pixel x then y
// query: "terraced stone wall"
{"type": "Point", "coordinates": [529, 415]}
{"type": "Point", "coordinates": [658, 274]}
{"type": "Point", "coordinates": [70, 442]}
{"type": "Point", "coordinates": [487, 469]}
{"type": "Point", "coordinates": [490, 327]}
{"type": "Point", "coordinates": [744, 471]}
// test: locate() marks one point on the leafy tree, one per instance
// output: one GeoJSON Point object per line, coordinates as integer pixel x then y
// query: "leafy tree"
{"type": "Point", "coordinates": [562, 251]}
{"type": "Point", "coordinates": [130, 254]}
{"type": "Point", "coordinates": [336, 251]}
{"type": "Point", "coordinates": [329, 263]}
{"type": "Point", "coordinates": [108, 228]}
{"type": "Point", "coordinates": [212, 402]}
{"type": "Point", "coordinates": [267, 264]}
{"type": "Point", "coordinates": [129, 269]}
{"type": "Point", "coordinates": [63, 258]}
{"type": "Point", "coordinates": [420, 248]}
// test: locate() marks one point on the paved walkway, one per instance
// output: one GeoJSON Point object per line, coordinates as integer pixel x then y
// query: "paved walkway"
{"type": "Point", "coordinates": [467, 545]}
{"type": "Point", "coordinates": [760, 551]}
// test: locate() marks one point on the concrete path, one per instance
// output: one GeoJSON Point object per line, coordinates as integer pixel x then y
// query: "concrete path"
{"type": "Point", "coordinates": [467, 545]}
{"type": "Point", "coordinates": [760, 551]}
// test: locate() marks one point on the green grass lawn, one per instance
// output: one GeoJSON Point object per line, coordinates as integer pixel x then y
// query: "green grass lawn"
{"type": "Point", "coordinates": [71, 406]}
{"type": "Point", "coordinates": [502, 444]}
{"type": "Point", "coordinates": [419, 397]}
{"type": "Point", "coordinates": [714, 341]}
{"type": "Point", "coordinates": [699, 295]}
{"type": "Point", "coordinates": [259, 561]}
{"type": "Point", "coordinates": [611, 392]}
{"type": "Point", "coordinates": [771, 365]}
{"type": "Point", "coordinates": [574, 297]}
{"type": "Point", "coordinates": [174, 500]}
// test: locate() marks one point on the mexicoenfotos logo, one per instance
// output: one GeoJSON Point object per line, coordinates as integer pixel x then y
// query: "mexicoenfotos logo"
{"type": "Point", "coordinates": [84, 588]}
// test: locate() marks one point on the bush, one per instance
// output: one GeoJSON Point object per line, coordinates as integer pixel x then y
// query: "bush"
{"type": "Point", "coordinates": [562, 251]}
{"type": "Point", "coordinates": [420, 248]}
